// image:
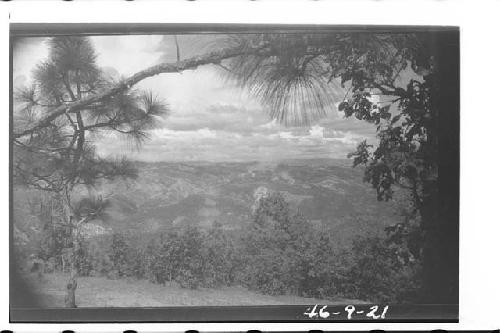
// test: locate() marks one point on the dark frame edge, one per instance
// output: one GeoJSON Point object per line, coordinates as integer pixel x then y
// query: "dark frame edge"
{"type": "Point", "coordinates": [95, 29]}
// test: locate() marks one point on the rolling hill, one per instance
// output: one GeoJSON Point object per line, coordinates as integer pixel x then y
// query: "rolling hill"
{"type": "Point", "coordinates": [329, 193]}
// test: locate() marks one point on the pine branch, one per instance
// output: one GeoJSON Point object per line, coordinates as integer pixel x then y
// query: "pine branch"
{"type": "Point", "coordinates": [179, 66]}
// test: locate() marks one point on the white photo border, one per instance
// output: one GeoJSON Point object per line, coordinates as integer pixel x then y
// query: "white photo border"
{"type": "Point", "coordinates": [479, 227]}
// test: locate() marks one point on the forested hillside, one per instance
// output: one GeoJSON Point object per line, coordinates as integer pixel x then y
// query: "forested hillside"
{"type": "Point", "coordinates": [329, 193]}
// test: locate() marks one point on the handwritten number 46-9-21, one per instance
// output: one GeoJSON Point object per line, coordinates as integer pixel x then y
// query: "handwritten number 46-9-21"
{"type": "Point", "coordinates": [350, 310]}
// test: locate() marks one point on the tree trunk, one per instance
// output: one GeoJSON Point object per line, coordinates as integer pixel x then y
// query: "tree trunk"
{"type": "Point", "coordinates": [70, 300]}
{"type": "Point", "coordinates": [70, 291]}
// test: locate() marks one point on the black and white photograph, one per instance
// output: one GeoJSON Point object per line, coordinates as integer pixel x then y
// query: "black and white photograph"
{"type": "Point", "coordinates": [223, 166]}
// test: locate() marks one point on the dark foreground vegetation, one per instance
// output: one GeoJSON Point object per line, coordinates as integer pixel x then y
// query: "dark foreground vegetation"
{"type": "Point", "coordinates": [278, 253]}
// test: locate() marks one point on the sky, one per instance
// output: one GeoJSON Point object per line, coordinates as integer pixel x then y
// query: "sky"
{"type": "Point", "coordinates": [210, 119]}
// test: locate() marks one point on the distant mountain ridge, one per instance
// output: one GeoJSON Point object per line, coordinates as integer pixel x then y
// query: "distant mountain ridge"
{"type": "Point", "coordinates": [329, 193]}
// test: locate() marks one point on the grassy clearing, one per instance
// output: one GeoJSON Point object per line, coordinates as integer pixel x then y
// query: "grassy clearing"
{"type": "Point", "coordinates": [103, 292]}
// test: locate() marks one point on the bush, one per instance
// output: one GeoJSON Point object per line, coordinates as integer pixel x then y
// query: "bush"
{"type": "Point", "coordinates": [136, 257]}
{"type": "Point", "coordinates": [218, 257]}
{"type": "Point", "coordinates": [319, 268]}
{"type": "Point", "coordinates": [378, 273]}
{"type": "Point", "coordinates": [83, 259]}
{"type": "Point", "coordinates": [279, 249]}
{"type": "Point", "coordinates": [190, 273]}
{"type": "Point", "coordinates": [100, 261]}
{"type": "Point", "coordinates": [118, 256]}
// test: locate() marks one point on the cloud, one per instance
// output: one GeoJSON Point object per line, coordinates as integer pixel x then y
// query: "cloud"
{"type": "Point", "coordinates": [168, 134]}
{"type": "Point", "coordinates": [221, 117]}
{"type": "Point", "coordinates": [218, 145]}
{"type": "Point", "coordinates": [127, 54]}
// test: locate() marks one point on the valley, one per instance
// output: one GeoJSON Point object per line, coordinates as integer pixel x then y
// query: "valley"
{"type": "Point", "coordinates": [330, 194]}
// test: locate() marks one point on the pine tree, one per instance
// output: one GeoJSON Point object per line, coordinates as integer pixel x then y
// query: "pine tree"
{"type": "Point", "coordinates": [51, 147]}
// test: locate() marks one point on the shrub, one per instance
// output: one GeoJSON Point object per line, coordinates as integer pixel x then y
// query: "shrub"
{"type": "Point", "coordinates": [218, 257]}
{"type": "Point", "coordinates": [99, 256]}
{"type": "Point", "coordinates": [190, 273]}
{"type": "Point", "coordinates": [376, 272]}
{"type": "Point", "coordinates": [277, 249]}
{"type": "Point", "coordinates": [318, 268]}
{"type": "Point", "coordinates": [83, 259]}
{"type": "Point", "coordinates": [118, 255]}
{"type": "Point", "coordinates": [135, 258]}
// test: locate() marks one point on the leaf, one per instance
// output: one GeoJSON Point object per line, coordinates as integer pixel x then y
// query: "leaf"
{"type": "Point", "coordinates": [396, 118]}
{"type": "Point", "coordinates": [342, 106]}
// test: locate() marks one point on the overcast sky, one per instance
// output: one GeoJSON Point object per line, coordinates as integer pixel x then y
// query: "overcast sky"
{"type": "Point", "coordinates": [210, 119]}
